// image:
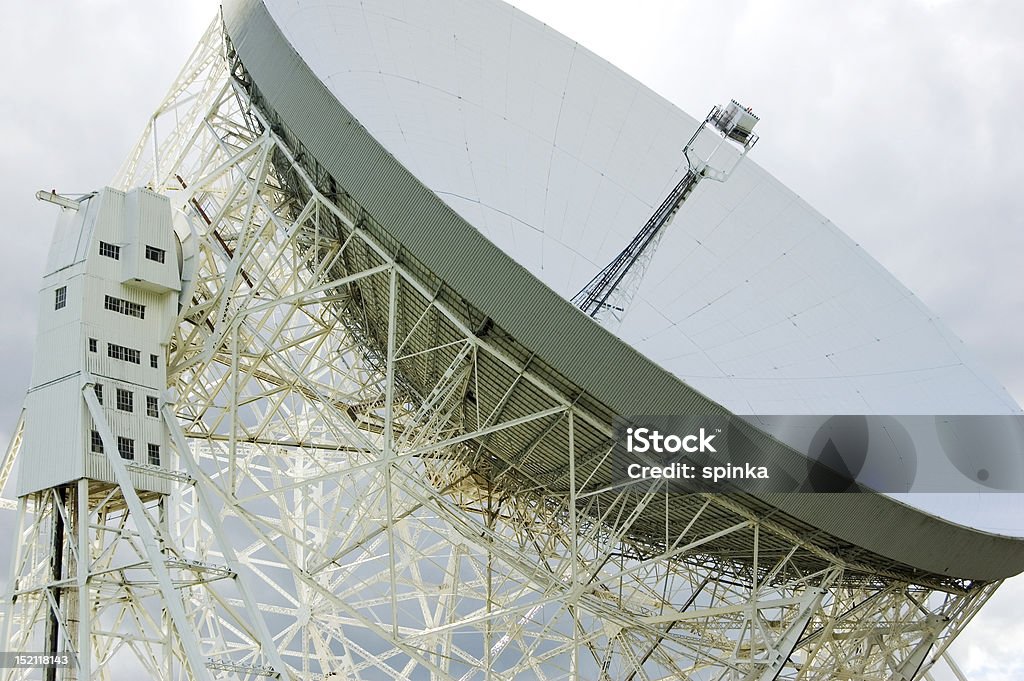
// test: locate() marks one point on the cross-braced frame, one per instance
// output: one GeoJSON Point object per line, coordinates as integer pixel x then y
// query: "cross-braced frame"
{"type": "Point", "coordinates": [379, 483]}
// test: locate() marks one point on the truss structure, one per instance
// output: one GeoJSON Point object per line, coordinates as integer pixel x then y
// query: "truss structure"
{"type": "Point", "coordinates": [376, 483]}
{"type": "Point", "coordinates": [608, 295]}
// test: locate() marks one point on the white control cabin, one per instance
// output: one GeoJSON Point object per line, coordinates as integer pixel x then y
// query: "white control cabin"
{"type": "Point", "coordinates": [106, 307]}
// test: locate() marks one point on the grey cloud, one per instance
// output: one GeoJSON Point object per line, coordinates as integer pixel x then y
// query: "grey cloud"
{"type": "Point", "coordinates": [898, 120]}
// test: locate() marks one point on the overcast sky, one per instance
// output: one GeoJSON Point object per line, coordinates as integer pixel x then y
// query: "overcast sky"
{"type": "Point", "coordinates": [900, 121]}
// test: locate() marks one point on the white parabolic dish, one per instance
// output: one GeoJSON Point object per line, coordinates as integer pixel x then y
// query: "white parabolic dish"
{"type": "Point", "coordinates": [512, 164]}
{"type": "Point", "coordinates": [556, 156]}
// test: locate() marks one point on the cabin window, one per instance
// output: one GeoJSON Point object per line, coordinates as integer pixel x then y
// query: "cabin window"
{"type": "Point", "coordinates": [126, 447]}
{"type": "Point", "coordinates": [124, 354]}
{"type": "Point", "coordinates": [125, 401]}
{"type": "Point", "coordinates": [110, 250]}
{"type": "Point", "coordinates": [126, 307]}
{"type": "Point", "coordinates": [155, 254]}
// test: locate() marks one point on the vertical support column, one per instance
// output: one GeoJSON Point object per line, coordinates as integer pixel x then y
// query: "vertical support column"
{"type": "Point", "coordinates": [489, 580]}
{"type": "Point", "coordinates": [53, 623]}
{"type": "Point", "coordinates": [574, 542]}
{"type": "Point", "coordinates": [233, 412]}
{"type": "Point", "coordinates": [82, 580]}
{"type": "Point", "coordinates": [389, 442]}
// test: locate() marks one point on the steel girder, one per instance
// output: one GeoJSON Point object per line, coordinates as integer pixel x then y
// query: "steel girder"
{"type": "Point", "coordinates": [353, 503]}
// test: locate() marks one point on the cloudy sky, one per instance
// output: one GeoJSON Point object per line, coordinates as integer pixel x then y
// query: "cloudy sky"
{"type": "Point", "coordinates": [900, 121]}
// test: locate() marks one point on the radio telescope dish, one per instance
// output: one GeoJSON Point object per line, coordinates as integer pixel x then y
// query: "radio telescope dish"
{"type": "Point", "coordinates": [383, 430]}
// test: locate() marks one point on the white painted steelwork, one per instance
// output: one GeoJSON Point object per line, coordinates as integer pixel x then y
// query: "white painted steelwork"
{"type": "Point", "coordinates": [714, 150]}
{"type": "Point", "coordinates": [556, 156]}
{"type": "Point", "coordinates": [104, 314]}
{"type": "Point", "coordinates": [378, 483]}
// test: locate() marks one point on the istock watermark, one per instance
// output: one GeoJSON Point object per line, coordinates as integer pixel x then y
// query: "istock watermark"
{"type": "Point", "coordinates": [650, 440]}
{"type": "Point", "coordinates": [841, 453]}
{"type": "Point", "coordinates": [641, 440]}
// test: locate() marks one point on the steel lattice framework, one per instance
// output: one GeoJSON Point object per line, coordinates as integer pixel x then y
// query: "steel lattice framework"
{"type": "Point", "coordinates": [360, 494]}
{"type": "Point", "coordinates": [607, 296]}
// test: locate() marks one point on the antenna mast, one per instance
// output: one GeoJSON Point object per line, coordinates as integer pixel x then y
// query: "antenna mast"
{"type": "Point", "coordinates": [725, 132]}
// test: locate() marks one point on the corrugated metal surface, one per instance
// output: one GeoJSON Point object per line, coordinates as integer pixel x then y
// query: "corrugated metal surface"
{"type": "Point", "coordinates": [56, 446]}
{"type": "Point", "coordinates": [53, 424]}
{"type": "Point", "coordinates": [575, 353]}
{"type": "Point", "coordinates": [148, 223]}
{"type": "Point", "coordinates": [98, 468]}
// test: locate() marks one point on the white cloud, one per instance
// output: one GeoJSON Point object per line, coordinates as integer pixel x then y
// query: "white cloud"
{"type": "Point", "coordinates": [989, 649]}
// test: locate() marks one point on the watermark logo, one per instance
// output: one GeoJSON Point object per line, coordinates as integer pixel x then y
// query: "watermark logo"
{"type": "Point", "coordinates": [838, 453]}
{"type": "Point", "coordinates": [643, 440]}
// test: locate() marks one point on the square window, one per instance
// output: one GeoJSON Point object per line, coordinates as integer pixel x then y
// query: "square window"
{"type": "Point", "coordinates": [155, 254]}
{"type": "Point", "coordinates": [60, 297]}
{"type": "Point", "coordinates": [126, 447]}
{"type": "Point", "coordinates": [96, 442]}
{"type": "Point", "coordinates": [153, 454]}
{"type": "Point", "coordinates": [154, 361]}
{"type": "Point", "coordinates": [110, 250]}
{"type": "Point", "coordinates": [124, 400]}
{"type": "Point", "coordinates": [93, 344]}
{"type": "Point", "coordinates": [152, 406]}
{"type": "Point", "coordinates": [98, 389]}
